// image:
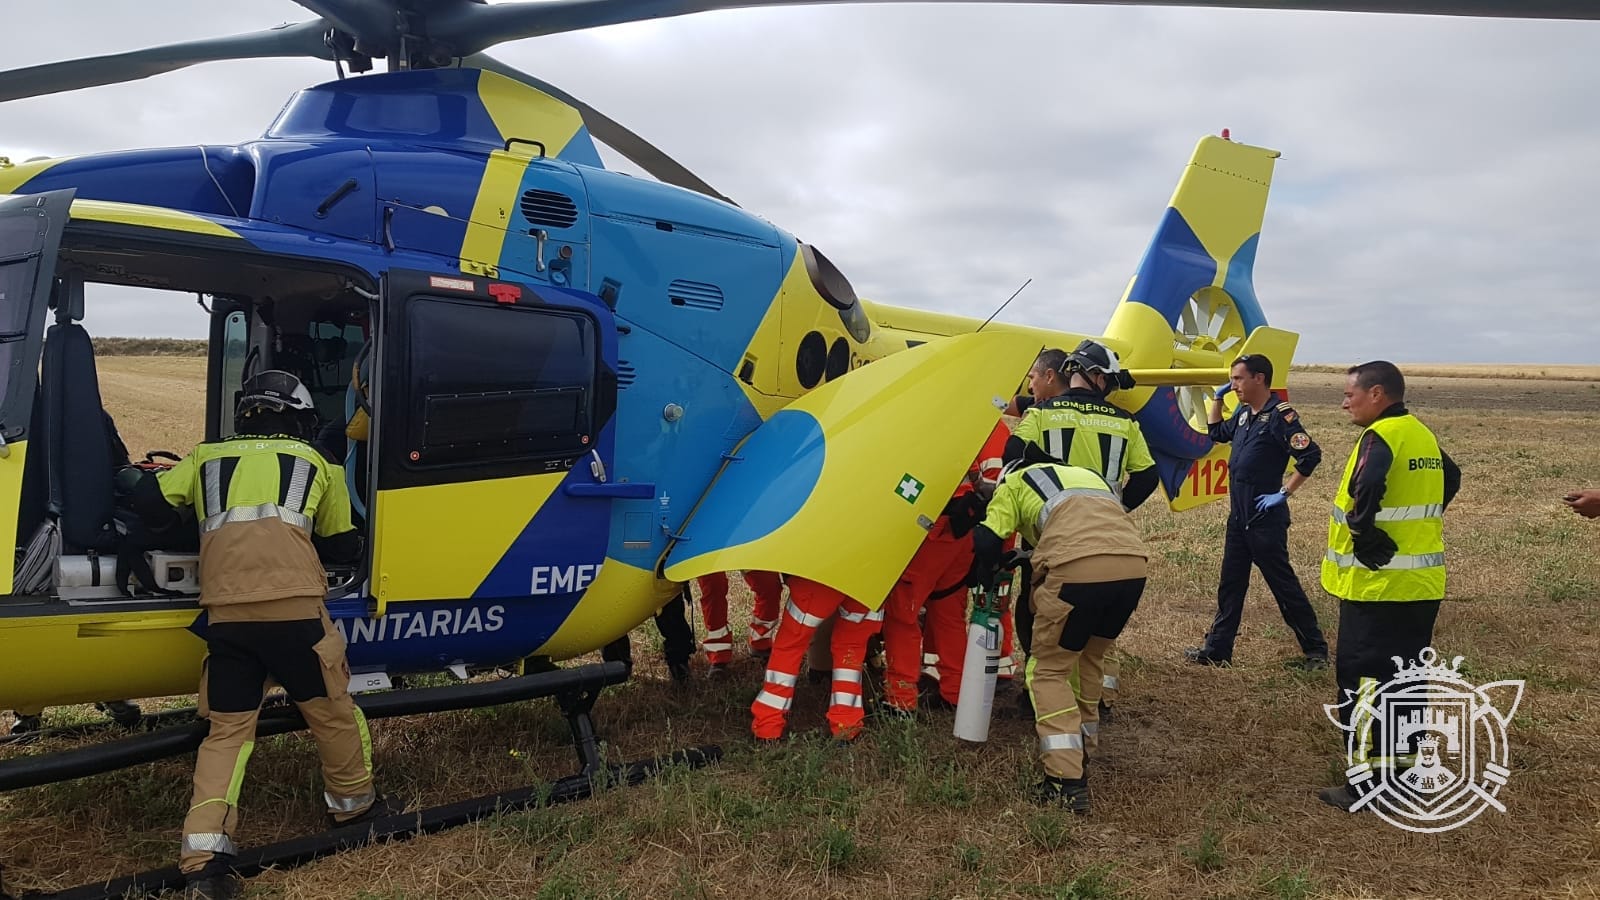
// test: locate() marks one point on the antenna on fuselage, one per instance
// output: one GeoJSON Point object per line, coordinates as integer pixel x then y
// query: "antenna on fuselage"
{"type": "Point", "coordinates": [1005, 304]}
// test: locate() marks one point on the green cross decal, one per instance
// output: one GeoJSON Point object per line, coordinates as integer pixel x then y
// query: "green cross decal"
{"type": "Point", "coordinates": [909, 488]}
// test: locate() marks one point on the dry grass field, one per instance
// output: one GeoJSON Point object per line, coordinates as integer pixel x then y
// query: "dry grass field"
{"type": "Point", "coordinates": [1205, 788]}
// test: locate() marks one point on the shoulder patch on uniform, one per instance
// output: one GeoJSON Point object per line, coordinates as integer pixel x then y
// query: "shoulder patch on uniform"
{"type": "Point", "coordinates": [1289, 415]}
{"type": "Point", "coordinates": [1300, 440]}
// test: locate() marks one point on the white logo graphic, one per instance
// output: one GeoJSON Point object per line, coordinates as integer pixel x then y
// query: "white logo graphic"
{"type": "Point", "coordinates": [1427, 749]}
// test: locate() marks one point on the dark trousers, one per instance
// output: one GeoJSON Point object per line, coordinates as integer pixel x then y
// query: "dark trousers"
{"type": "Point", "coordinates": [677, 635]}
{"type": "Point", "coordinates": [1265, 543]}
{"type": "Point", "coordinates": [1370, 633]}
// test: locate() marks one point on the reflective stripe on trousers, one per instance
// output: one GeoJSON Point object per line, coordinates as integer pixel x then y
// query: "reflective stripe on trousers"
{"type": "Point", "coordinates": [718, 639]}
{"type": "Point", "coordinates": [1052, 742]}
{"type": "Point", "coordinates": [803, 617]}
{"type": "Point", "coordinates": [350, 804]}
{"type": "Point", "coordinates": [767, 698]}
{"type": "Point", "coordinates": [209, 843]}
{"type": "Point", "coordinates": [857, 618]}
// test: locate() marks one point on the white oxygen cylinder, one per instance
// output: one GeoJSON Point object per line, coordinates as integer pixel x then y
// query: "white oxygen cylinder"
{"type": "Point", "coordinates": [979, 670]}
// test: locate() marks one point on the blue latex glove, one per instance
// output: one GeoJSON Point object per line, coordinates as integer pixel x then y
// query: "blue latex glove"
{"type": "Point", "coordinates": [1265, 502]}
{"type": "Point", "coordinates": [1223, 391]}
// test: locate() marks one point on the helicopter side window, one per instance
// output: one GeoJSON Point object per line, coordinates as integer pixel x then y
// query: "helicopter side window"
{"type": "Point", "coordinates": [494, 384]}
{"type": "Point", "coordinates": [235, 346]}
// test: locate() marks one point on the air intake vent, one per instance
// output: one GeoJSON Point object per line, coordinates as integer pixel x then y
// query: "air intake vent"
{"type": "Point", "coordinates": [695, 294]}
{"type": "Point", "coordinates": [625, 373]}
{"type": "Point", "coordinates": [549, 208]}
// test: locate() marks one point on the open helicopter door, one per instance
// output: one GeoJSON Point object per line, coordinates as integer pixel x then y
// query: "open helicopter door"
{"type": "Point", "coordinates": [30, 236]}
{"type": "Point", "coordinates": [493, 420]}
{"type": "Point", "coordinates": [841, 486]}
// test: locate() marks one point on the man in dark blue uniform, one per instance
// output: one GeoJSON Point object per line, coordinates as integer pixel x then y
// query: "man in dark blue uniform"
{"type": "Point", "coordinates": [1265, 433]}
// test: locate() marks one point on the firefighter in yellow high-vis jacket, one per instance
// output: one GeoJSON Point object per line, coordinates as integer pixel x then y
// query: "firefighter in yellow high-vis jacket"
{"type": "Point", "coordinates": [268, 505]}
{"type": "Point", "coordinates": [1089, 566]}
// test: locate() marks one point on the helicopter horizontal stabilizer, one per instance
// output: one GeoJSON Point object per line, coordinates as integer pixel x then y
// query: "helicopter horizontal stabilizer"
{"type": "Point", "coordinates": [841, 486]}
{"type": "Point", "coordinates": [1191, 483]}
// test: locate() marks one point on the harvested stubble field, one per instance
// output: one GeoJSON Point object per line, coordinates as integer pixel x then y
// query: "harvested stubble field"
{"type": "Point", "coordinates": [1206, 785]}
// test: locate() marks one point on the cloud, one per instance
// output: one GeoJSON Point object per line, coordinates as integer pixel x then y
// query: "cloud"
{"type": "Point", "coordinates": [1434, 201]}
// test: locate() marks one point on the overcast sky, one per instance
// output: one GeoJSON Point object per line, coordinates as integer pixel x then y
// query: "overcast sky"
{"type": "Point", "coordinates": [1438, 198]}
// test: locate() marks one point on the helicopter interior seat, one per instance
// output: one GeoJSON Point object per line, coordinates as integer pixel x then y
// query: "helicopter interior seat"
{"type": "Point", "coordinates": [70, 487]}
{"type": "Point", "coordinates": [68, 497]}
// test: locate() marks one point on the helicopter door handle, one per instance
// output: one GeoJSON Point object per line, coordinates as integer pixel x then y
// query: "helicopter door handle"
{"type": "Point", "coordinates": [5, 448]}
{"type": "Point", "coordinates": [339, 193]}
{"type": "Point", "coordinates": [597, 468]}
{"type": "Point", "coordinates": [539, 237]}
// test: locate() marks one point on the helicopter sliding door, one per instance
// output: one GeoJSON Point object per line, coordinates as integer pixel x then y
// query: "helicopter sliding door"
{"type": "Point", "coordinates": [494, 429]}
{"type": "Point", "coordinates": [30, 235]}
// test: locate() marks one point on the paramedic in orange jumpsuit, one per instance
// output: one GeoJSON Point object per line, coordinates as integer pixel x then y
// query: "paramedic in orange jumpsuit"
{"type": "Point", "coordinates": [935, 579]}
{"type": "Point", "coordinates": [811, 604]}
{"type": "Point", "coordinates": [768, 590]}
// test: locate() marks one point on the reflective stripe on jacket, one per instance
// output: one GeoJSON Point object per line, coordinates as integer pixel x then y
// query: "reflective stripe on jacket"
{"type": "Point", "coordinates": [1066, 512]}
{"type": "Point", "coordinates": [1412, 513]}
{"type": "Point", "coordinates": [259, 500]}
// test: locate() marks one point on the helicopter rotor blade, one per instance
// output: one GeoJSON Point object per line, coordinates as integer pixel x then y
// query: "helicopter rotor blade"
{"type": "Point", "coordinates": [608, 131]}
{"type": "Point", "coordinates": [304, 39]}
{"type": "Point", "coordinates": [471, 27]}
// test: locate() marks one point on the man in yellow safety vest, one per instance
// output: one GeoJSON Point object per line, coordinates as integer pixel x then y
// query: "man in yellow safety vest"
{"type": "Point", "coordinates": [1385, 557]}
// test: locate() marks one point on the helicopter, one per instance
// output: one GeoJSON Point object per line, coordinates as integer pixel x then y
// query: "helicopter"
{"type": "Point", "coordinates": [587, 387]}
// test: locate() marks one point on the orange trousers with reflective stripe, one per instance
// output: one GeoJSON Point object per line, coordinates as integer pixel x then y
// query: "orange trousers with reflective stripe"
{"type": "Point", "coordinates": [940, 563]}
{"type": "Point", "coordinates": [768, 590]}
{"type": "Point", "coordinates": [810, 604]}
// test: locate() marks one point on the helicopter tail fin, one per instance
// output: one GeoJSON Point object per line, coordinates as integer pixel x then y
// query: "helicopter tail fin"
{"type": "Point", "coordinates": [1191, 303]}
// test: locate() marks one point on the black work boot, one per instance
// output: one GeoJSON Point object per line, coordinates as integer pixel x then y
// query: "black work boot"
{"type": "Point", "coordinates": [1025, 706]}
{"type": "Point", "coordinates": [679, 670]}
{"type": "Point", "coordinates": [27, 724]}
{"type": "Point", "coordinates": [1341, 797]}
{"type": "Point", "coordinates": [1105, 713]}
{"type": "Point", "coordinates": [1068, 793]}
{"type": "Point", "coordinates": [385, 805]}
{"type": "Point", "coordinates": [1205, 656]}
{"type": "Point", "coordinates": [215, 881]}
{"type": "Point", "coordinates": [122, 712]}
{"type": "Point", "coordinates": [1311, 662]}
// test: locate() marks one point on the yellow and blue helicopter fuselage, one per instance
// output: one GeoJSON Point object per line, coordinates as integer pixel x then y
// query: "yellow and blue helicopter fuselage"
{"type": "Point", "coordinates": [563, 360]}
{"type": "Point", "coordinates": [403, 209]}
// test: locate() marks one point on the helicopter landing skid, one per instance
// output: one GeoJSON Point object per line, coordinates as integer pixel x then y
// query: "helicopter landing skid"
{"type": "Point", "coordinates": [403, 825]}
{"type": "Point", "coordinates": [574, 690]}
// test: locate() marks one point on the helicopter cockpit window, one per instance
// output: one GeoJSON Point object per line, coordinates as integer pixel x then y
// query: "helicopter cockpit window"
{"type": "Point", "coordinates": [535, 401]}
{"type": "Point", "coordinates": [831, 284]}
